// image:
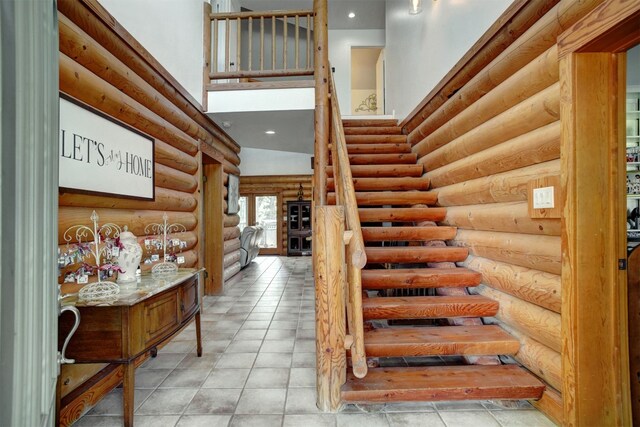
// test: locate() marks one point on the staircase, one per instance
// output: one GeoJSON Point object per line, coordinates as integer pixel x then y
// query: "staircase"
{"type": "Point", "coordinates": [415, 303]}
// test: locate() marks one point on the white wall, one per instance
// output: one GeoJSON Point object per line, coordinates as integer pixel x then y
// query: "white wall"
{"type": "Point", "coordinates": [340, 43]}
{"type": "Point", "coordinates": [171, 30]}
{"type": "Point", "coordinates": [255, 161]}
{"type": "Point", "coordinates": [421, 49]}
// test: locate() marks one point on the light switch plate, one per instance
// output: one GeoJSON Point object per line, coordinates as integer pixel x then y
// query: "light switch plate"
{"type": "Point", "coordinates": [543, 198]}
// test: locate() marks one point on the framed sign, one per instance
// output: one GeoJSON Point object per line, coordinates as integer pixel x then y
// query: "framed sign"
{"type": "Point", "coordinates": [100, 155]}
{"type": "Point", "coordinates": [233, 194]}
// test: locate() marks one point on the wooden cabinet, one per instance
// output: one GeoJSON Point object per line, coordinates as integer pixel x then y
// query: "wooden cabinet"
{"type": "Point", "coordinates": [299, 228]}
{"type": "Point", "coordinates": [137, 322]}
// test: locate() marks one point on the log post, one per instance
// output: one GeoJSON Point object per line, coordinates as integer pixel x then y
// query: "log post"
{"type": "Point", "coordinates": [321, 75]}
{"type": "Point", "coordinates": [330, 278]}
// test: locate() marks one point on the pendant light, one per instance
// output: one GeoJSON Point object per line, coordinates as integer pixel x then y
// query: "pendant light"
{"type": "Point", "coordinates": [415, 7]}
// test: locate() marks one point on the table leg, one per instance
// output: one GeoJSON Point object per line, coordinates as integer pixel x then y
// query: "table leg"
{"type": "Point", "coordinates": [198, 335]}
{"type": "Point", "coordinates": [128, 386]}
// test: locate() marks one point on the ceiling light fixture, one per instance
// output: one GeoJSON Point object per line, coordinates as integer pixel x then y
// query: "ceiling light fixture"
{"type": "Point", "coordinates": [270, 132]}
{"type": "Point", "coordinates": [415, 7]}
{"type": "Point", "coordinates": [351, 15]}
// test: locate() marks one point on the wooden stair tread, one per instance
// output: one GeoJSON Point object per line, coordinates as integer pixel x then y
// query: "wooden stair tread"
{"type": "Point", "coordinates": [380, 171]}
{"type": "Point", "coordinates": [383, 159]}
{"type": "Point", "coordinates": [380, 184]}
{"type": "Point", "coordinates": [437, 307]}
{"type": "Point", "coordinates": [407, 278]}
{"type": "Point", "coordinates": [415, 254]}
{"type": "Point", "coordinates": [394, 198]}
{"type": "Point", "coordinates": [375, 139]}
{"type": "Point", "coordinates": [401, 214]}
{"type": "Point", "coordinates": [373, 130]}
{"type": "Point", "coordinates": [378, 148]}
{"type": "Point", "coordinates": [404, 234]}
{"type": "Point", "coordinates": [439, 340]}
{"type": "Point", "coordinates": [369, 122]}
{"type": "Point", "coordinates": [437, 383]}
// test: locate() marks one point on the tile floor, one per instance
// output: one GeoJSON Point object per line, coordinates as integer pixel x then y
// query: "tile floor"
{"type": "Point", "coordinates": [258, 369]}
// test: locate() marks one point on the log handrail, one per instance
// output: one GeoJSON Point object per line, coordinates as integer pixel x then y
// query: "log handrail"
{"type": "Point", "coordinates": [218, 44]}
{"type": "Point", "coordinates": [356, 259]}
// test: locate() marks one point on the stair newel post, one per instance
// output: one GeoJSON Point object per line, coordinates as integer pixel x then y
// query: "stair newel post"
{"type": "Point", "coordinates": [322, 113]}
{"type": "Point", "coordinates": [330, 278]}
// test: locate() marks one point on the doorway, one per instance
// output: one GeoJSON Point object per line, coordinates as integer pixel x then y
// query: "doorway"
{"type": "Point", "coordinates": [593, 55]}
{"type": "Point", "coordinates": [262, 210]}
{"type": "Point", "coordinates": [367, 80]}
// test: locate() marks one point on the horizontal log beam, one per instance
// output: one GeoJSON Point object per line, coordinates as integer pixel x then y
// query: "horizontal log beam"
{"type": "Point", "coordinates": [534, 286]}
{"type": "Point", "coordinates": [538, 146]}
{"type": "Point", "coordinates": [231, 271]}
{"type": "Point", "coordinates": [512, 217]}
{"type": "Point", "coordinates": [171, 157]}
{"type": "Point", "coordinates": [526, 250]}
{"type": "Point", "coordinates": [80, 83]}
{"type": "Point", "coordinates": [539, 110]}
{"type": "Point", "coordinates": [231, 220]}
{"type": "Point", "coordinates": [290, 179]}
{"type": "Point", "coordinates": [231, 246]}
{"type": "Point", "coordinates": [503, 187]}
{"type": "Point", "coordinates": [231, 258]}
{"type": "Point", "coordinates": [174, 179]}
{"type": "Point", "coordinates": [231, 233]}
{"type": "Point", "coordinates": [92, 18]}
{"type": "Point", "coordinates": [135, 220]}
{"type": "Point", "coordinates": [539, 74]}
{"type": "Point", "coordinates": [78, 45]}
{"type": "Point", "coordinates": [533, 321]}
{"type": "Point", "coordinates": [169, 200]}
{"type": "Point", "coordinates": [537, 357]}
{"type": "Point", "coordinates": [472, 69]}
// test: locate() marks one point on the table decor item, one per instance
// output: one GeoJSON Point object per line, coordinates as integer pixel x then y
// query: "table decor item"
{"type": "Point", "coordinates": [129, 256]}
{"type": "Point", "coordinates": [170, 261]}
{"type": "Point", "coordinates": [101, 243]}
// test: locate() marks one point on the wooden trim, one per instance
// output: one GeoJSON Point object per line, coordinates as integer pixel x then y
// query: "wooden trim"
{"type": "Point", "coordinates": [261, 73]}
{"type": "Point", "coordinates": [518, 18]}
{"type": "Point", "coordinates": [614, 26]}
{"type": "Point", "coordinates": [260, 14]}
{"type": "Point", "coordinates": [634, 329]}
{"type": "Point", "coordinates": [594, 302]}
{"type": "Point", "coordinates": [213, 227]}
{"type": "Point", "coordinates": [293, 84]}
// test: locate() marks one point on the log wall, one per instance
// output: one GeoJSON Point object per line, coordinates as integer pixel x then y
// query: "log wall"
{"type": "Point", "coordinates": [481, 138]}
{"type": "Point", "coordinates": [103, 66]}
{"type": "Point", "coordinates": [286, 185]}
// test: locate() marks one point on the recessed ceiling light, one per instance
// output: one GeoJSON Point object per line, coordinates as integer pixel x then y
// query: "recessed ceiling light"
{"type": "Point", "coordinates": [351, 15]}
{"type": "Point", "coordinates": [270, 132]}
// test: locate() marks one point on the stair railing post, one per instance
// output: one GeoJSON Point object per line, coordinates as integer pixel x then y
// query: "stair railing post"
{"type": "Point", "coordinates": [321, 76]}
{"type": "Point", "coordinates": [330, 279]}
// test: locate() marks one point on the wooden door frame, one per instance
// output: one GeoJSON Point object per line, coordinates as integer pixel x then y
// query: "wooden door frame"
{"type": "Point", "coordinates": [251, 214]}
{"type": "Point", "coordinates": [212, 220]}
{"type": "Point", "coordinates": [595, 357]}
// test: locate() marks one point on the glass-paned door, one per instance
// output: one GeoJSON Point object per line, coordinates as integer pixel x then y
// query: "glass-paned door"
{"type": "Point", "coordinates": [262, 210]}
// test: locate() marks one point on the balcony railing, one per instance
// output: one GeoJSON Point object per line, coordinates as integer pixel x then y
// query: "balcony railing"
{"type": "Point", "coordinates": [246, 45]}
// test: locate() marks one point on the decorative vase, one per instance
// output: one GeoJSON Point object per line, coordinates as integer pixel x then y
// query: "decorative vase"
{"type": "Point", "coordinates": [129, 257]}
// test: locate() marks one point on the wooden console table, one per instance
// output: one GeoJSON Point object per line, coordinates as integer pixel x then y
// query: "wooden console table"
{"type": "Point", "coordinates": [140, 319]}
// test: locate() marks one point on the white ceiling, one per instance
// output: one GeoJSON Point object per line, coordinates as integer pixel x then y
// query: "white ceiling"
{"type": "Point", "coordinates": [370, 14]}
{"type": "Point", "coordinates": [294, 129]}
